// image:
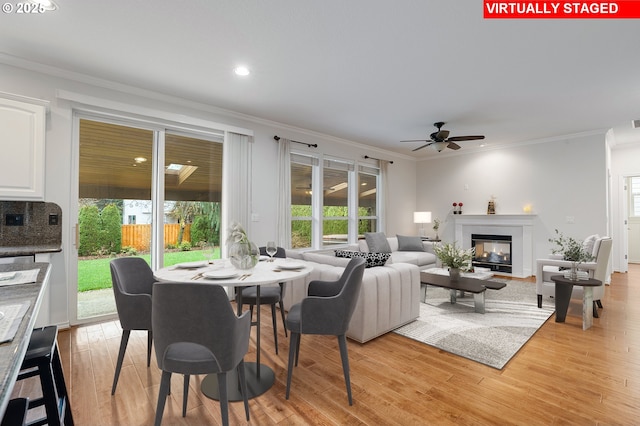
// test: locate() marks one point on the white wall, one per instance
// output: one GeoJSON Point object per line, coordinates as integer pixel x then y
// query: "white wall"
{"type": "Point", "coordinates": [559, 179]}
{"type": "Point", "coordinates": [45, 85]}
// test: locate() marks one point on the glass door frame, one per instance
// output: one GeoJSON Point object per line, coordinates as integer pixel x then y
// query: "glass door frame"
{"type": "Point", "coordinates": [160, 127]}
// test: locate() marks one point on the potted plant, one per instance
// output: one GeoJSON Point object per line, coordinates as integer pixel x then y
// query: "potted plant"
{"type": "Point", "coordinates": [572, 251]}
{"type": "Point", "coordinates": [455, 258]}
{"type": "Point", "coordinates": [436, 226]}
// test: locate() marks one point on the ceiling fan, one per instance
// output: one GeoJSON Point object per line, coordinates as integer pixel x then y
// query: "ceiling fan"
{"type": "Point", "coordinates": [441, 140]}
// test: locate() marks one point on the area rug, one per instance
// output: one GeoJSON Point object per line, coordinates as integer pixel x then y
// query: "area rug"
{"type": "Point", "coordinates": [511, 317]}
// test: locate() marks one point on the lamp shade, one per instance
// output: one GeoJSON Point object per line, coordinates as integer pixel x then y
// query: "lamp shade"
{"type": "Point", "coordinates": [421, 217]}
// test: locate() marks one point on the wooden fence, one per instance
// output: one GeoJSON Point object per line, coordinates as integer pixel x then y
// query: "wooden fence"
{"type": "Point", "coordinates": [139, 236]}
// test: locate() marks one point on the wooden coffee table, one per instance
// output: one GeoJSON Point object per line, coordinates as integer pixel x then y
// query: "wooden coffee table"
{"type": "Point", "coordinates": [473, 285]}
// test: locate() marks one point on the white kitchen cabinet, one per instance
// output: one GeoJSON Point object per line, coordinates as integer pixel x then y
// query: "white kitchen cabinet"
{"type": "Point", "coordinates": [22, 148]}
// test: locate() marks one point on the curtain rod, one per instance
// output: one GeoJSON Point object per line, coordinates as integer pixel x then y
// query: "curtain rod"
{"type": "Point", "coordinates": [310, 145]}
{"type": "Point", "coordinates": [379, 159]}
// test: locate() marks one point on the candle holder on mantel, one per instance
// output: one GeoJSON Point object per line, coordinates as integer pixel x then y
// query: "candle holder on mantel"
{"type": "Point", "coordinates": [457, 208]}
{"type": "Point", "coordinates": [491, 208]}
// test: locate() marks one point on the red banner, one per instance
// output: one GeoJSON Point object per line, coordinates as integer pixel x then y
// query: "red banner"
{"type": "Point", "coordinates": [624, 9]}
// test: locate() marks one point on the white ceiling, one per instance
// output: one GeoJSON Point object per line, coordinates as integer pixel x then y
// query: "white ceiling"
{"type": "Point", "coordinates": [370, 71]}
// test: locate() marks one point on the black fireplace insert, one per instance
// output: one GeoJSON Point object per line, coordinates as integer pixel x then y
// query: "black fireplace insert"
{"type": "Point", "coordinates": [492, 251]}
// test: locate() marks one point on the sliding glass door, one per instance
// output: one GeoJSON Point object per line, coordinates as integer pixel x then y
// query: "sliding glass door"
{"type": "Point", "coordinates": [145, 191]}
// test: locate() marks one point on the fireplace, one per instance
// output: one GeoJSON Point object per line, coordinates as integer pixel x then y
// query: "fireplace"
{"type": "Point", "coordinates": [492, 251]}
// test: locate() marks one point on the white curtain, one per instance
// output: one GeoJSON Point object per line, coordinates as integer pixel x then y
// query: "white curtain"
{"type": "Point", "coordinates": [283, 227]}
{"type": "Point", "coordinates": [236, 195]}
{"type": "Point", "coordinates": [383, 194]}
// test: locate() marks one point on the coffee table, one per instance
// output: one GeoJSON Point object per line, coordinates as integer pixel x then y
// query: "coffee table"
{"type": "Point", "coordinates": [564, 288]}
{"type": "Point", "coordinates": [465, 283]}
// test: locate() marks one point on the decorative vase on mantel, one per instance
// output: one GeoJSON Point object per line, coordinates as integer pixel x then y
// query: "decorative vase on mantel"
{"type": "Point", "coordinates": [454, 274]}
{"type": "Point", "coordinates": [244, 255]}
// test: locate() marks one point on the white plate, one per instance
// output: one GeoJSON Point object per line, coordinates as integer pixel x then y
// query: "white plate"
{"type": "Point", "coordinates": [191, 265]}
{"type": "Point", "coordinates": [291, 265]}
{"type": "Point", "coordinates": [6, 276]}
{"type": "Point", "coordinates": [220, 275]}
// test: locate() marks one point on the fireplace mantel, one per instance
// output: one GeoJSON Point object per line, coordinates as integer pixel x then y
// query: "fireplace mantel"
{"type": "Point", "coordinates": [519, 226]}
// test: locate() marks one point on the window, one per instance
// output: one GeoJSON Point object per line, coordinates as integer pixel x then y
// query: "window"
{"type": "Point", "coordinates": [302, 171]}
{"type": "Point", "coordinates": [334, 204]}
{"type": "Point", "coordinates": [367, 199]}
{"type": "Point", "coordinates": [634, 196]}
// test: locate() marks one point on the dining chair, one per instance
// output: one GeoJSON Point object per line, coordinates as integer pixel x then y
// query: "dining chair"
{"type": "Point", "coordinates": [132, 282]}
{"type": "Point", "coordinates": [269, 295]}
{"type": "Point", "coordinates": [326, 311]}
{"type": "Point", "coordinates": [197, 332]}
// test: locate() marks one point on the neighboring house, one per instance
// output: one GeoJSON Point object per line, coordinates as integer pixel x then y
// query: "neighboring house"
{"type": "Point", "coordinates": [138, 212]}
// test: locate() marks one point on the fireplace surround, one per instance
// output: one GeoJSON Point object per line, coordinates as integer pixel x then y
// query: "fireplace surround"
{"type": "Point", "coordinates": [518, 226]}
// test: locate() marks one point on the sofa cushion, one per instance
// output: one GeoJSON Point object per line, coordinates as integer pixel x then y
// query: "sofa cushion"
{"type": "Point", "coordinates": [371, 259]}
{"type": "Point", "coordinates": [406, 243]}
{"type": "Point", "coordinates": [413, 257]}
{"type": "Point", "coordinates": [377, 242]}
{"type": "Point", "coordinates": [326, 259]}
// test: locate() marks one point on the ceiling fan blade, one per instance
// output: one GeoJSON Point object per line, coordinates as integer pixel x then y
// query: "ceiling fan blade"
{"type": "Point", "coordinates": [465, 138]}
{"type": "Point", "coordinates": [423, 146]}
{"type": "Point", "coordinates": [453, 145]}
{"type": "Point", "coordinates": [442, 134]}
{"type": "Point", "coordinates": [416, 140]}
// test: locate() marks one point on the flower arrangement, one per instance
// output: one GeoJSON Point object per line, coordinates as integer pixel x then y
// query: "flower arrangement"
{"type": "Point", "coordinates": [454, 257]}
{"type": "Point", "coordinates": [436, 224]}
{"type": "Point", "coordinates": [237, 234]}
{"type": "Point", "coordinates": [570, 249]}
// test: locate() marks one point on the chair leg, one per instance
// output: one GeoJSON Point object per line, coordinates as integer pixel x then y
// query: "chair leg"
{"type": "Point", "coordinates": [61, 386]}
{"type": "Point", "coordinates": [224, 398]}
{"type": "Point", "coordinates": [49, 393]}
{"type": "Point", "coordinates": [243, 387]}
{"type": "Point", "coordinates": [595, 309]}
{"type": "Point", "coordinates": [284, 321]}
{"type": "Point", "coordinates": [342, 340]}
{"type": "Point", "coordinates": [294, 343]}
{"type": "Point", "coordinates": [539, 301]}
{"type": "Point", "coordinates": [185, 395]}
{"type": "Point", "coordinates": [162, 396]}
{"type": "Point", "coordinates": [149, 344]}
{"type": "Point", "coordinates": [599, 302]}
{"type": "Point", "coordinates": [275, 329]}
{"type": "Point", "coordinates": [123, 347]}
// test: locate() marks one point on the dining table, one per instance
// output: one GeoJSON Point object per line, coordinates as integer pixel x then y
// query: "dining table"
{"type": "Point", "coordinates": [259, 377]}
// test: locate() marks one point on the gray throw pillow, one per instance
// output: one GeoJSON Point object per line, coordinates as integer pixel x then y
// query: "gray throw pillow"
{"type": "Point", "coordinates": [377, 242]}
{"type": "Point", "coordinates": [409, 243]}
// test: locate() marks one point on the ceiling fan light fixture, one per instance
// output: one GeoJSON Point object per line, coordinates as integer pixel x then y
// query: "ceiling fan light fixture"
{"type": "Point", "coordinates": [439, 146]}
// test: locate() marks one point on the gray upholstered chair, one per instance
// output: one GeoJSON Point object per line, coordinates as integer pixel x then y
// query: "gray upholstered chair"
{"type": "Point", "coordinates": [598, 269]}
{"type": "Point", "coordinates": [327, 311]}
{"type": "Point", "coordinates": [269, 295]}
{"type": "Point", "coordinates": [132, 281]}
{"type": "Point", "coordinates": [196, 332]}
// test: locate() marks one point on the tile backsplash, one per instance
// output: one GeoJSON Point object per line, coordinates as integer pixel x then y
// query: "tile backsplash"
{"type": "Point", "coordinates": [30, 223]}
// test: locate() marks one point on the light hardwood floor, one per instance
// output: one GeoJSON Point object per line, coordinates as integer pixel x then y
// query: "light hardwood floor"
{"type": "Point", "coordinates": [563, 375]}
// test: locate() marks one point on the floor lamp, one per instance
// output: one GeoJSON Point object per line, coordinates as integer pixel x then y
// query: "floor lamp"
{"type": "Point", "coordinates": [422, 218]}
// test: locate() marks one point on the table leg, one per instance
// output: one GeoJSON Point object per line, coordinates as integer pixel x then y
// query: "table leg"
{"type": "Point", "coordinates": [452, 295]}
{"type": "Point", "coordinates": [258, 332]}
{"type": "Point", "coordinates": [562, 298]}
{"type": "Point", "coordinates": [587, 307]}
{"type": "Point", "coordinates": [423, 292]}
{"type": "Point", "coordinates": [255, 385]}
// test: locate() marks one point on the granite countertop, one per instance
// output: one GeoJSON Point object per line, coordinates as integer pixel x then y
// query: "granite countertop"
{"type": "Point", "coordinates": [12, 353]}
{"type": "Point", "coordinates": [29, 250]}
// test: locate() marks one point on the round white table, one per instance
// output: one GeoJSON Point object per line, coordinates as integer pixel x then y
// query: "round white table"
{"type": "Point", "coordinates": [259, 377]}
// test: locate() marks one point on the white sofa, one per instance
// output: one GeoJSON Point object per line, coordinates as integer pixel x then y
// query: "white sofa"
{"type": "Point", "coordinates": [423, 259]}
{"type": "Point", "coordinates": [389, 296]}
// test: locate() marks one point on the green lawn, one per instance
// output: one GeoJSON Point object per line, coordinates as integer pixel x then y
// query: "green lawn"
{"type": "Point", "coordinates": [94, 274]}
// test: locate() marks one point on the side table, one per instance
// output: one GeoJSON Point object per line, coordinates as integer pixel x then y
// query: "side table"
{"type": "Point", "coordinates": [564, 287]}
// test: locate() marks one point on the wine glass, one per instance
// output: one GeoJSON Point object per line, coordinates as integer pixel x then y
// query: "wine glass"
{"type": "Point", "coordinates": [208, 251]}
{"type": "Point", "coordinates": [271, 249]}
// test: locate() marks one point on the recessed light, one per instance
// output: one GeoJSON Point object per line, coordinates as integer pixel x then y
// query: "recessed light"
{"type": "Point", "coordinates": [242, 71]}
{"type": "Point", "coordinates": [139, 160]}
